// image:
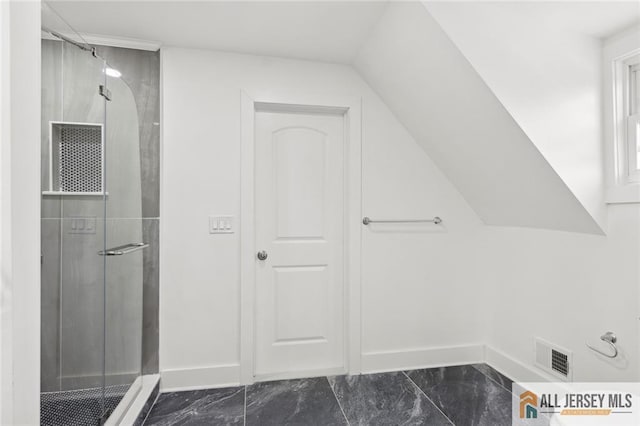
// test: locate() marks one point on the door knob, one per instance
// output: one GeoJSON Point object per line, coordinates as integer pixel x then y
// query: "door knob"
{"type": "Point", "coordinates": [262, 255]}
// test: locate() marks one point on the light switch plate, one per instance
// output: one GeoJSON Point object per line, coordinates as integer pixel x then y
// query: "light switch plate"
{"type": "Point", "coordinates": [221, 225]}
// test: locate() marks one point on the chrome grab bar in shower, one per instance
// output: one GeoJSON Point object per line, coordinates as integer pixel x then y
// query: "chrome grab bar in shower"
{"type": "Point", "coordinates": [610, 338]}
{"type": "Point", "coordinates": [436, 220]}
{"type": "Point", "coordinates": [125, 249]}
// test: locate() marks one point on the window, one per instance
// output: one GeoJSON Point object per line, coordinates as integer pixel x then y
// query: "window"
{"type": "Point", "coordinates": [621, 96]}
{"type": "Point", "coordinates": [631, 116]}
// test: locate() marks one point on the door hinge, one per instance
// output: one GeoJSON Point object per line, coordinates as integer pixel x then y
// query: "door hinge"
{"type": "Point", "coordinates": [105, 93]}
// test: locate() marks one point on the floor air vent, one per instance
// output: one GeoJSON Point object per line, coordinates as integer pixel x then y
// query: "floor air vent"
{"type": "Point", "coordinates": [553, 359]}
{"type": "Point", "coordinates": [559, 362]}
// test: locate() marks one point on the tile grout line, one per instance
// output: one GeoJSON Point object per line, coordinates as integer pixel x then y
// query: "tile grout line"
{"type": "Point", "coordinates": [428, 399]}
{"type": "Point", "coordinates": [152, 405]}
{"type": "Point", "coordinates": [245, 406]}
{"type": "Point", "coordinates": [492, 379]}
{"type": "Point", "coordinates": [498, 383]}
{"type": "Point", "coordinates": [338, 401]}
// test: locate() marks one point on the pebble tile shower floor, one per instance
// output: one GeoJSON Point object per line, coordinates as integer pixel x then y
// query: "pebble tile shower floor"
{"type": "Point", "coordinates": [78, 407]}
{"type": "Point", "coordinates": [460, 395]}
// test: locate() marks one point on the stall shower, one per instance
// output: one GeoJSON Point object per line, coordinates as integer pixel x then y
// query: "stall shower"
{"type": "Point", "coordinates": [99, 250]}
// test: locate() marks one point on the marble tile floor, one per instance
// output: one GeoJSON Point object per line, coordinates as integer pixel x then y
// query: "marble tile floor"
{"type": "Point", "coordinates": [461, 395]}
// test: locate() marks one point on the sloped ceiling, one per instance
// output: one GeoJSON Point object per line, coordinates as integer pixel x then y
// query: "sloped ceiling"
{"type": "Point", "coordinates": [473, 132]}
{"type": "Point", "coordinates": [451, 112]}
{"type": "Point", "coordinates": [542, 60]}
{"type": "Point", "coordinates": [329, 31]}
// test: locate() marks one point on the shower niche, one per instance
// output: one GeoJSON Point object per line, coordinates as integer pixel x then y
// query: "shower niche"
{"type": "Point", "coordinates": [76, 159]}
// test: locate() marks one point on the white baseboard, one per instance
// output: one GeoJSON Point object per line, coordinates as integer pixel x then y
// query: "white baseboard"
{"type": "Point", "coordinates": [514, 369]}
{"type": "Point", "coordinates": [219, 376]}
{"type": "Point", "coordinates": [299, 374]}
{"type": "Point", "coordinates": [377, 362]}
{"type": "Point", "coordinates": [216, 376]}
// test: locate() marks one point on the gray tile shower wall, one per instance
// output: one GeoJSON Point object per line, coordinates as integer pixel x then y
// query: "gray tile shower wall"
{"type": "Point", "coordinates": [51, 96]}
{"type": "Point", "coordinates": [50, 310]}
{"type": "Point", "coordinates": [50, 228]}
{"type": "Point", "coordinates": [140, 72]}
{"type": "Point", "coordinates": [151, 296]}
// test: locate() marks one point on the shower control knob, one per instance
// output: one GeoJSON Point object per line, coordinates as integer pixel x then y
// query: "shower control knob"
{"type": "Point", "coordinates": [262, 255]}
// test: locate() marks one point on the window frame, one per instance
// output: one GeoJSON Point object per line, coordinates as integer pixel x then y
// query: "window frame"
{"type": "Point", "coordinates": [629, 117]}
{"type": "Point", "coordinates": [622, 177]}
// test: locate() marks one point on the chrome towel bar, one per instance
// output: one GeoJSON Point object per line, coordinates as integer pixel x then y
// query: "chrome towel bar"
{"type": "Point", "coordinates": [125, 249]}
{"type": "Point", "coordinates": [610, 338]}
{"type": "Point", "coordinates": [436, 220]}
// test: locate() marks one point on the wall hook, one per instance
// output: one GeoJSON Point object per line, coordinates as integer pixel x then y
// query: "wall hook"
{"type": "Point", "coordinates": [609, 338]}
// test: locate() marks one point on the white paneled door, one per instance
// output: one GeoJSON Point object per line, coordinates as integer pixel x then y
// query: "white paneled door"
{"type": "Point", "coordinates": [300, 246]}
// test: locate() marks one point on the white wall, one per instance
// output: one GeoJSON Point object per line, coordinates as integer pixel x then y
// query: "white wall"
{"type": "Point", "coordinates": [422, 291]}
{"type": "Point", "coordinates": [434, 91]}
{"type": "Point", "coordinates": [413, 278]}
{"type": "Point", "coordinates": [19, 212]}
{"type": "Point", "coordinates": [409, 279]}
{"type": "Point", "coordinates": [547, 74]}
{"type": "Point", "coordinates": [566, 288]}
{"type": "Point", "coordinates": [6, 383]}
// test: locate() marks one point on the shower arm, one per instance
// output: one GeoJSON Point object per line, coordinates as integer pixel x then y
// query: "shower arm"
{"type": "Point", "coordinates": [83, 46]}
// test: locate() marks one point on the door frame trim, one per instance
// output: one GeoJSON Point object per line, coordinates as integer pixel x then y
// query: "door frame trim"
{"type": "Point", "coordinates": [350, 107]}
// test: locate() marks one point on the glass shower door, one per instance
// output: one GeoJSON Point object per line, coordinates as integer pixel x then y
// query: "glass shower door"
{"type": "Point", "coordinates": [92, 273]}
{"type": "Point", "coordinates": [123, 236]}
{"type": "Point", "coordinates": [72, 222]}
